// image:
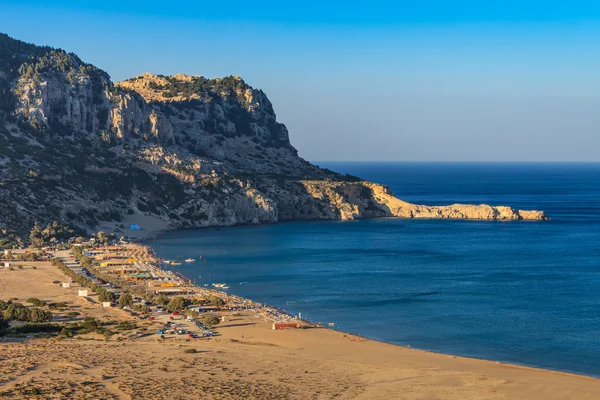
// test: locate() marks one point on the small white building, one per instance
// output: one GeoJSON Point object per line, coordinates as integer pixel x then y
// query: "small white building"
{"type": "Point", "coordinates": [66, 285]}
{"type": "Point", "coordinates": [106, 304]}
{"type": "Point", "coordinates": [6, 264]}
{"type": "Point", "coordinates": [83, 292]}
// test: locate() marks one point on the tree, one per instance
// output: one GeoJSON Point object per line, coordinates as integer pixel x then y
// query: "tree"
{"type": "Point", "coordinates": [37, 315]}
{"type": "Point", "coordinates": [36, 237]}
{"type": "Point", "coordinates": [209, 320]}
{"type": "Point", "coordinates": [162, 300]}
{"type": "Point", "coordinates": [86, 262]}
{"type": "Point", "coordinates": [141, 308]}
{"type": "Point", "coordinates": [102, 237]}
{"type": "Point", "coordinates": [177, 304]}
{"type": "Point", "coordinates": [105, 295]}
{"type": "Point", "coordinates": [16, 312]}
{"type": "Point", "coordinates": [126, 300]}
{"type": "Point", "coordinates": [216, 301]}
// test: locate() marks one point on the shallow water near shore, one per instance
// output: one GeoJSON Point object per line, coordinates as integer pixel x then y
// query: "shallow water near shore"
{"type": "Point", "coordinates": [519, 292]}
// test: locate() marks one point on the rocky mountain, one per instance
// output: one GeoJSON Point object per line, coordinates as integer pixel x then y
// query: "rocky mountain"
{"type": "Point", "coordinates": [183, 150]}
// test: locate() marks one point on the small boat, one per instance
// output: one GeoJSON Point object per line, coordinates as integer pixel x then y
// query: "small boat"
{"type": "Point", "coordinates": [189, 260]}
{"type": "Point", "coordinates": [175, 263]}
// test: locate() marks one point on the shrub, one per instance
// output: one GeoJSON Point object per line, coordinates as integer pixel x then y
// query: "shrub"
{"type": "Point", "coordinates": [31, 327]}
{"type": "Point", "coordinates": [190, 351]}
{"type": "Point", "coordinates": [209, 320]}
{"type": "Point", "coordinates": [3, 325]}
{"type": "Point", "coordinates": [66, 332]}
{"type": "Point", "coordinates": [4, 304]}
{"type": "Point", "coordinates": [36, 302]}
{"type": "Point", "coordinates": [125, 326]}
{"type": "Point", "coordinates": [90, 324]}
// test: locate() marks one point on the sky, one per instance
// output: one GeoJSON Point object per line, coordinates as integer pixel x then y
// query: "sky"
{"type": "Point", "coordinates": [365, 80]}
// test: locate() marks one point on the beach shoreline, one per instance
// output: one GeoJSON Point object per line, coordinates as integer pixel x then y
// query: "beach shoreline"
{"type": "Point", "coordinates": [246, 358]}
{"type": "Point", "coordinates": [290, 316]}
{"type": "Point", "coordinates": [152, 227]}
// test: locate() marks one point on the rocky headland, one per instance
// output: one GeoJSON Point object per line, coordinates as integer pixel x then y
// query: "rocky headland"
{"type": "Point", "coordinates": [183, 150]}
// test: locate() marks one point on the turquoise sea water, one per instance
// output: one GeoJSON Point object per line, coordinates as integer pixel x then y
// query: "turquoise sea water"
{"type": "Point", "coordinates": [521, 292]}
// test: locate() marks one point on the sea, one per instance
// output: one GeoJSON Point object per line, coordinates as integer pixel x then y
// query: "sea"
{"type": "Point", "coordinates": [524, 292]}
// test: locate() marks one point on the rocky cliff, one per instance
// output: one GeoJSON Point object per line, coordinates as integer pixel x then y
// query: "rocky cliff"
{"type": "Point", "coordinates": [185, 150]}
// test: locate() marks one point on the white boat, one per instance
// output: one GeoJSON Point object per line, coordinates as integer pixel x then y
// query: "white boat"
{"type": "Point", "coordinates": [189, 260]}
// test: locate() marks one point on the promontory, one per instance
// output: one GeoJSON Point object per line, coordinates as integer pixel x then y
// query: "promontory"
{"type": "Point", "coordinates": [183, 151]}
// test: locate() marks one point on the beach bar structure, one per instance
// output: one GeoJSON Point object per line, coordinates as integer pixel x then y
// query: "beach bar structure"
{"type": "Point", "coordinates": [101, 257]}
{"type": "Point", "coordinates": [116, 263]}
{"type": "Point", "coordinates": [139, 276]}
{"type": "Point", "coordinates": [171, 291]}
{"type": "Point", "coordinates": [83, 292]}
{"type": "Point", "coordinates": [285, 325]}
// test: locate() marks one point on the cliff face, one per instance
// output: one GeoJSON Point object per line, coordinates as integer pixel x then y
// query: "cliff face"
{"type": "Point", "coordinates": [185, 150]}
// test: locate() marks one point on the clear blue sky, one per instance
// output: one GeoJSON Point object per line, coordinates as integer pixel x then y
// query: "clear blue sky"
{"type": "Point", "coordinates": [375, 80]}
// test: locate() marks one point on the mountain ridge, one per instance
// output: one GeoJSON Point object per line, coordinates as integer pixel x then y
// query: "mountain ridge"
{"type": "Point", "coordinates": [186, 150]}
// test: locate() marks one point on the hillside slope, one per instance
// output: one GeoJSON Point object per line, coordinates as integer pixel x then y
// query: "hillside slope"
{"type": "Point", "coordinates": [184, 150]}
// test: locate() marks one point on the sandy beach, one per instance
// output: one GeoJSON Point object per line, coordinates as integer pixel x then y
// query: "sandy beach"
{"type": "Point", "coordinates": [247, 360]}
